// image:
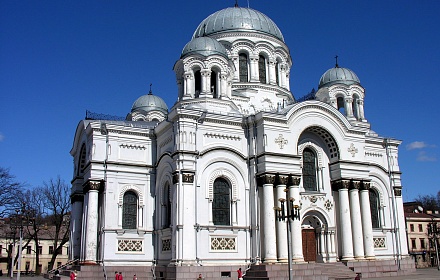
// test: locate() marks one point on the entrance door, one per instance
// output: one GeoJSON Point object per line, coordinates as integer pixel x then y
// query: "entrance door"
{"type": "Point", "coordinates": [309, 245]}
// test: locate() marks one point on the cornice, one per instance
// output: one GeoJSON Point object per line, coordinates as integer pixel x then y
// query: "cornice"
{"type": "Point", "coordinates": [121, 131]}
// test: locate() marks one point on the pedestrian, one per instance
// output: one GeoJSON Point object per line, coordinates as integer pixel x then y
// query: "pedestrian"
{"type": "Point", "coordinates": [73, 275]}
{"type": "Point", "coordinates": [240, 274]}
{"type": "Point", "coordinates": [134, 277]}
{"type": "Point", "coordinates": [120, 276]}
{"type": "Point", "coordinates": [200, 277]}
{"type": "Point", "coordinates": [116, 275]}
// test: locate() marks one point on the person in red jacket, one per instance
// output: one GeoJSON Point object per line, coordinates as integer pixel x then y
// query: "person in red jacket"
{"type": "Point", "coordinates": [240, 274]}
{"type": "Point", "coordinates": [120, 276]}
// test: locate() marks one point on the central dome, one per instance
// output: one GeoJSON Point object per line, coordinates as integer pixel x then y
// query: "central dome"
{"type": "Point", "coordinates": [238, 19]}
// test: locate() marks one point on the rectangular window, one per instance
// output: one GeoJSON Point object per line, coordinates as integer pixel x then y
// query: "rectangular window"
{"type": "Point", "coordinates": [422, 243]}
{"type": "Point", "coordinates": [28, 250]}
{"type": "Point", "coordinates": [420, 228]}
{"type": "Point", "coordinates": [58, 264]}
{"type": "Point", "coordinates": [50, 249]}
{"type": "Point", "coordinates": [411, 227]}
{"type": "Point", "coordinates": [40, 250]}
{"type": "Point", "coordinates": [413, 243]}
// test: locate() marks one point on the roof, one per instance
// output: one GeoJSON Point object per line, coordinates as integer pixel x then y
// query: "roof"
{"type": "Point", "coordinates": [238, 19]}
{"type": "Point", "coordinates": [338, 75]}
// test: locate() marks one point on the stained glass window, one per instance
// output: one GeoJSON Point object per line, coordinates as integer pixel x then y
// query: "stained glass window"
{"type": "Point", "coordinates": [309, 170]}
{"type": "Point", "coordinates": [262, 69]}
{"type": "Point", "coordinates": [129, 210]}
{"type": "Point", "coordinates": [243, 67]}
{"type": "Point", "coordinates": [374, 206]}
{"type": "Point", "coordinates": [221, 205]}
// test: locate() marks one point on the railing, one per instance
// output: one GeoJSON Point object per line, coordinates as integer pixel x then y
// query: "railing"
{"type": "Point", "coordinates": [153, 270]}
{"type": "Point", "coordinates": [61, 267]}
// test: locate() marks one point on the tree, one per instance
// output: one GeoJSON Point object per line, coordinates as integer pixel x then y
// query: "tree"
{"type": "Point", "coordinates": [429, 201]}
{"type": "Point", "coordinates": [9, 192]}
{"type": "Point", "coordinates": [57, 202]}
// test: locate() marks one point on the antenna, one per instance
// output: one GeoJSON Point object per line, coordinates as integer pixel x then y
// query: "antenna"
{"type": "Point", "coordinates": [150, 92]}
{"type": "Point", "coordinates": [336, 66]}
{"type": "Point", "coordinates": [248, 3]}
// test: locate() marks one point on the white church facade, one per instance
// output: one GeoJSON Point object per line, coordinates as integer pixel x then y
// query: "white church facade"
{"type": "Point", "coordinates": [208, 182]}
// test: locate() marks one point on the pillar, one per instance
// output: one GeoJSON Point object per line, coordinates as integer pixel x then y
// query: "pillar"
{"type": "Point", "coordinates": [282, 245]}
{"type": "Point", "coordinates": [366, 221]}
{"type": "Point", "coordinates": [75, 226]}
{"type": "Point", "coordinates": [356, 226]}
{"type": "Point", "coordinates": [272, 70]}
{"type": "Point", "coordinates": [206, 82]}
{"type": "Point", "coordinates": [297, 250]}
{"type": "Point", "coordinates": [345, 221]}
{"type": "Point", "coordinates": [254, 68]}
{"type": "Point", "coordinates": [268, 216]}
{"type": "Point", "coordinates": [91, 239]}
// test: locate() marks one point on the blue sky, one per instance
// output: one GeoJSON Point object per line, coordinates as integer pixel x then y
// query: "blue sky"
{"type": "Point", "coordinates": [59, 58]}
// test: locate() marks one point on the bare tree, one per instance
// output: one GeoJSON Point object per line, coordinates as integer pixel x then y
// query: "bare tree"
{"type": "Point", "coordinates": [429, 201]}
{"type": "Point", "coordinates": [9, 192]}
{"type": "Point", "coordinates": [57, 204]}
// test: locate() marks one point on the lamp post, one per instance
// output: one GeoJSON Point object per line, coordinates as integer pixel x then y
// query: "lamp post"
{"type": "Point", "coordinates": [288, 212]}
{"type": "Point", "coordinates": [434, 233]}
{"type": "Point", "coordinates": [17, 223]}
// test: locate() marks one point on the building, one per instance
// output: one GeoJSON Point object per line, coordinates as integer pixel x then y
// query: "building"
{"type": "Point", "coordinates": [421, 244]}
{"type": "Point", "coordinates": [202, 184]}
{"type": "Point", "coordinates": [9, 240]}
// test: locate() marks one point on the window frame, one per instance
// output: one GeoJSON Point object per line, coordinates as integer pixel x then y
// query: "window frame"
{"type": "Point", "coordinates": [221, 202]}
{"type": "Point", "coordinates": [132, 206]}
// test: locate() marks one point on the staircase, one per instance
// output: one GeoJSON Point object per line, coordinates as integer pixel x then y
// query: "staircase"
{"type": "Point", "coordinates": [336, 271]}
{"type": "Point", "coordinates": [95, 272]}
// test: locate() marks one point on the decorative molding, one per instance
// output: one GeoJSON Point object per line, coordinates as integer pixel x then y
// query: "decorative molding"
{"type": "Point", "coordinates": [220, 243]}
{"type": "Point", "coordinates": [353, 150]}
{"type": "Point", "coordinates": [226, 174]}
{"type": "Point", "coordinates": [264, 179]}
{"type": "Point", "coordinates": [371, 154]}
{"type": "Point", "coordinates": [129, 245]}
{"type": "Point", "coordinates": [133, 147]}
{"type": "Point", "coordinates": [133, 188]}
{"type": "Point", "coordinates": [379, 242]}
{"type": "Point", "coordinates": [166, 245]}
{"type": "Point", "coordinates": [397, 191]}
{"type": "Point", "coordinates": [281, 141]}
{"type": "Point", "coordinates": [93, 185]}
{"type": "Point", "coordinates": [328, 205]}
{"type": "Point", "coordinates": [222, 136]}
{"type": "Point", "coordinates": [187, 177]}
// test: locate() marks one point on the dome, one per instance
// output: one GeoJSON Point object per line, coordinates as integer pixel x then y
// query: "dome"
{"type": "Point", "coordinates": [338, 75]}
{"type": "Point", "coordinates": [149, 102]}
{"type": "Point", "coordinates": [204, 46]}
{"type": "Point", "coordinates": [238, 19]}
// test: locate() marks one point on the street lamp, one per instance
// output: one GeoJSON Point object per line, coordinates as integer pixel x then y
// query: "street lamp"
{"type": "Point", "coordinates": [434, 233]}
{"type": "Point", "coordinates": [21, 219]}
{"type": "Point", "coordinates": [288, 212]}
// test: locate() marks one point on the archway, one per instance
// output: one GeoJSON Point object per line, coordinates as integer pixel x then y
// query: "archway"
{"type": "Point", "coordinates": [314, 237]}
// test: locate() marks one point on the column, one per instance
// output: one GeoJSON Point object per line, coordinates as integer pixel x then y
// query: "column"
{"type": "Point", "coordinates": [349, 107]}
{"type": "Point", "coordinates": [366, 221]}
{"type": "Point", "coordinates": [223, 86]}
{"type": "Point", "coordinates": [345, 221]}
{"type": "Point", "coordinates": [281, 227]}
{"type": "Point", "coordinates": [75, 226]}
{"type": "Point", "coordinates": [297, 250]}
{"type": "Point", "coordinates": [254, 68]}
{"type": "Point", "coordinates": [282, 75]}
{"type": "Point", "coordinates": [92, 222]}
{"type": "Point", "coordinates": [329, 245]}
{"type": "Point", "coordinates": [361, 110]}
{"type": "Point", "coordinates": [356, 226]}
{"type": "Point", "coordinates": [272, 70]}
{"type": "Point", "coordinates": [400, 219]}
{"type": "Point", "coordinates": [268, 216]}
{"type": "Point", "coordinates": [322, 244]}
{"type": "Point", "coordinates": [236, 77]}
{"type": "Point", "coordinates": [189, 85]}
{"type": "Point", "coordinates": [206, 82]}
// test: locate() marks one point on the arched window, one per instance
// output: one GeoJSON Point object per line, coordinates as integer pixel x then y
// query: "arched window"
{"type": "Point", "coordinates": [129, 210]}
{"type": "Point", "coordinates": [221, 205]}
{"type": "Point", "coordinates": [262, 69]}
{"type": "Point", "coordinates": [277, 74]}
{"type": "Point", "coordinates": [214, 84]}
{"type": "Point", "coordinates": [355, 107]}
{"type": "Point", "coordinates": [197, 83]}
{"type": "Point", "coordinates": [341, 106]}
{"type": "Point", "coordinates": [374, 206]}
{"type": "Point", "coordinates": [243, 67]}
{"type": "Point", "coordinates": [309, 170]}
{"type": "Point", "coordinates": [82, 160]}
{"type": "Point", "coordinates": [166, 204]}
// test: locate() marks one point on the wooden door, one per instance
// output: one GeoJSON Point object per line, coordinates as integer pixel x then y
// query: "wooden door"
{"type": "Point", "coordinates": [309, 245]}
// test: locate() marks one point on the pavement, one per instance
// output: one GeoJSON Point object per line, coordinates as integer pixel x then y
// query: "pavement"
{"type": "Point", "coordinates": [420, 274]}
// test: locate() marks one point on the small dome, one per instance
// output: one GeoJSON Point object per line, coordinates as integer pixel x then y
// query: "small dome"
{"type": "Point", "coordinates": [238, 19]}
{"type": "Point", "coordinates": [148, 103]}
{"type": "Point", "coordinates": [204, 46]}
{"type": "Point", "coordinates": [338, 75]}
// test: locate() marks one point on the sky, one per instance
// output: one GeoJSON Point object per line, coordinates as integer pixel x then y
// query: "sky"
{"type": "Point", "coordinates": [61, 58]}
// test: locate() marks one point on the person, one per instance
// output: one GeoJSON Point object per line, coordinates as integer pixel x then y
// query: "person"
{"type": "Point", "coordinates": [73, 275]}
{"type": "Point", "coordinates": [116, 275]}
{"type": "Point", "coordinates": [240, 274]}
{"type": "Point", "coordinates": [120, 276]}
{"type": "Point", "coordinates": [134, 277]}
{"type": "Point", "coordinates": [57, 272]}
{"type": "Point", "coordinates": [200, 277]}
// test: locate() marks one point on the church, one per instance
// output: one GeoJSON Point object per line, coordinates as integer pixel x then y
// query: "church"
{"type": "Point", "coordinates": [239, 173]}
